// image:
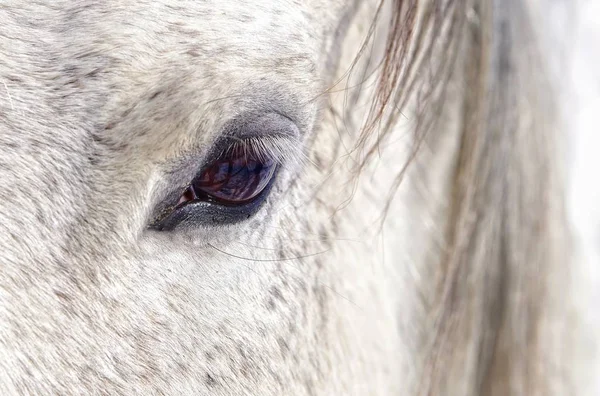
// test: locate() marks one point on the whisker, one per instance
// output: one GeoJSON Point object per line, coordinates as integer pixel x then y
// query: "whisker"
{"type": "Point", "coordinates": [293, 266]}
{"type": "Point", "coordinates": [268, 260]}
{"type": "Point", "coordinates": [255, 247]}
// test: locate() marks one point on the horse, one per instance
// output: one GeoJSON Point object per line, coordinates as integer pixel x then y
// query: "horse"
{"type": "Point", "coordinates": [285, 197]}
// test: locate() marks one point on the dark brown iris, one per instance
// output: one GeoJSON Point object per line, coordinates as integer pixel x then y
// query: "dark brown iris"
{"type": "Point", "coordinates": [234, 179]}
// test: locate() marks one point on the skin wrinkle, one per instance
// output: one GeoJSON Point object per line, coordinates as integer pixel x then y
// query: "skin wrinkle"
{"type": "Point", "coordinates": [108, 109]}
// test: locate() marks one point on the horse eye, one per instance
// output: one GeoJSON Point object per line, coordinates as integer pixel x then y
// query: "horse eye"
{"type": "Point", "coordinates": [229, 189]}
{"type": "Point", "coordinates": [232, 180]}
{"type": "Point", "coordinates": [236, 179]}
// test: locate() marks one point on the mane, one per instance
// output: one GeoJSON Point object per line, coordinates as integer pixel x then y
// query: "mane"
{"type": "Point", "coordinates": [504, 237]}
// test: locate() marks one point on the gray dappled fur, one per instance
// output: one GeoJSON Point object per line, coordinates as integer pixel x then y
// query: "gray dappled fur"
{"type": "Point", "coordinates": [107, 108]}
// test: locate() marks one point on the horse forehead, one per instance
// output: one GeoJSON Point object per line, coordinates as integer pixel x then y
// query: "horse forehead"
{"type": "Point", "coordinates": [132, 41]}
{"type": "Point", "coordinates": [69, 64]}
{"type": "Point", "coordinates": [70, 69]}
{"type": "Point", "coordinates": [208, 28]}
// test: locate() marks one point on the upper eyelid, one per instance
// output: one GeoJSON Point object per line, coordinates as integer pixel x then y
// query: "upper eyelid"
{"type": "Point", "coordinates": [278, 147]}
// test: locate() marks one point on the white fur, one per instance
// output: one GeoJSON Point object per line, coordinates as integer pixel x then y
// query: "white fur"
{"type": "Point", "coordinates": [308, 297]}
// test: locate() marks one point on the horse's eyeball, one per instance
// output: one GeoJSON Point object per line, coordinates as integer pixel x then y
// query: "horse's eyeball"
{"type": "Point", "coordinates": [235, 179]}
{"type": "Point", "coordinates": [229, 189]}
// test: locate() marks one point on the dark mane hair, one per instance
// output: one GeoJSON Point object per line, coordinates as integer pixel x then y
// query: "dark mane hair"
{"type": "Point", "coordinates": [504, 236]}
